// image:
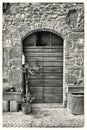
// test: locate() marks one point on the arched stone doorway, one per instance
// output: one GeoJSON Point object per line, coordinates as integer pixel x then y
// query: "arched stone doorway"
{"type": "Point", "coordinates": [44, 50]}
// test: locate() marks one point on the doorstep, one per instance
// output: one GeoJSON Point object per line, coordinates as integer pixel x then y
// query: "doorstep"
{"type": "Point", "coordinates": [47, 105]}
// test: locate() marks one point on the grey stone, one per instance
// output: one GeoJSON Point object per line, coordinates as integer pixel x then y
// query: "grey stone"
{"type": "Point", "coordinates": [6, 106]}
{"type": "Point", "coordinates": [79, 44]}
{"type": "Point", "coordinates": [16, 75]}
{"type": "Point", "coordinates": [76, 35]}
{"type": "Point", "coordinates": [15, 53]}
{"type": "Point", "coordinates": [71, 79]}
{"type": "Point", "coordinates": [22, 16]}
{"type": "Point", "coordinates": [14, 106]}
{"type": "Point", "coordinates": [79, 61]}
{"type": "Point", "coordinates": [82, 74]}
{"type": "Point", "coordinates": [70, 61]}
{"type": "Point", "coordinates": [17, 16]}
{"type": "Point", "coordinates": [69, 44]}
{"type": "Point", "coordinates": [22, 5]}
{"type": "Point", "coordinates": [26, 9]}
{"type": "Point", "coordinates": [17, 63]}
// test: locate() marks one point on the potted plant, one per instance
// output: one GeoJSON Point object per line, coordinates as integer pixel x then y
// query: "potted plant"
{"type": "Point", "coordinates": [27, 98]}
{"type": "Point", "coordinates": [26, 103]}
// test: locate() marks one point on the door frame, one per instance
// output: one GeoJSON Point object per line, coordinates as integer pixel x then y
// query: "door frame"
{"type": "Point", "coordinates": [64, 41]}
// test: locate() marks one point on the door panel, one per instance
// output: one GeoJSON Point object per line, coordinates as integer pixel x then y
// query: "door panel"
{"type": "Point", "coordinates": [34, 54]}
{"type": "Point", "coordinates": [53, 98]}
{"type": "Point", "coordinates": [33, 59]}
{"type": "Point", "coordinates": [37, 81]}
{"type": "Point", "coordinates": [51, 63]}
{"type": "Point", "coordinates": [53, 59]}
{"type": "Point", "coordinates": [52, 90]}
{"type": "Point", "coordinates": [51, 75]}
{"type": "Point", "coordinates": [54, 69]}
{"type": "Point", "coordinates": [37, 92]}
{"type": "Point", "coordinates": [53, 83]}
{"type": "Point", "coordinates": [53, 54]}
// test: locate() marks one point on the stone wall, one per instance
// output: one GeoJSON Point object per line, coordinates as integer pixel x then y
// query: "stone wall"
{"type": "Point", "coordinates": [65, 19]}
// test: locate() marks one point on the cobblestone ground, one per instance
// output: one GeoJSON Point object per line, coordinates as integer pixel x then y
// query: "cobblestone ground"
{"type": "Point", "coordinates": [55, 117]}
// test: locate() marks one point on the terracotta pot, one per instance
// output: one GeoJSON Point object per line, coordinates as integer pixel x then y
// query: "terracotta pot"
{"type": "Point", "coordinates": [26, 108]}
{"type": "Point", "coordinates": [75, 103]}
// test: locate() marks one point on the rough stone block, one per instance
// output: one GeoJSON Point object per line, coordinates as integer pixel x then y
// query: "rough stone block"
{"type": "Point", "coordinates": [13, 8]}
{"type": "Point", "coordinates": [12, 96]}
{"type": "Point", "coordinates": [17, 63]}
{"type": "Point", "coordinates": [80, 81]}
{"type": "Point", "coordinates": [8, 42]}
{"type": "Point", "coordinates": [22, 16]}
{"type": "Point", "coordinates": [5, 61]}
{"type": "Point", "coordinates": [17, 16]}
{"type": "Point", "coordinates": [5, 74]}
{"type": "Point", "coordinates": [71, 79]}
{"type": "Point", "coordinates": [73, 67]}
{"type": "Point", "coordinates": [54, 16]}
{"type": "Point", "coordinates": [16, 42]}
{"type": "Point", "coordinates": [15, 52]}
{"type": "Point", "coordinates": [22, 5]}
{"type": "Point", "coordinates": [15, 76]}
{"type": "Point", "coordinates": [6, 106]}
{"type": "Point", "coordinates": [80, 20]}
{"type": "Point", "coordinates": [70, 61]}
{"type": "Point", "coordinates": [17, 85]}
{"type": "Point", "coordinates": [5, 80]}
{"type": "Point", "coordinates": [15, 35]}
{"type": "Point", "coordinates": [77, 73]}
{"type": "Point", "coordinates": [79, 44]}
{"type": "Point", "coordinates": [76, 35]}
{"type": "Point", "coordinates": [5, 57]}
{"type": "Point", "coordinates": [71, 18]}
{"type": "Point", "coordinates": [79, 61]}
{"type": "Point", "coordinates": [26, 9]}
{"type": "Point", "coordinates": [69, 44]}
{"type": "Point", "coordinates": [14, 106]}
{"type": "Point", "coordinates": [82, 74]}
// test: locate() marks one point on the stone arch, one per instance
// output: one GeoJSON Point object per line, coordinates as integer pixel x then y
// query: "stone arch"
{"type": "Point", "coordinates": [48, 30]}
{"type": "Point", "coordinates": [59, 30]}
{"type": "Point", "coordinates": [31, 29]}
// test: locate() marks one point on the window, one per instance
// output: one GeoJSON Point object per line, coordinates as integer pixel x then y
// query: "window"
{"type": "Point", "coordinates": [43, 38]}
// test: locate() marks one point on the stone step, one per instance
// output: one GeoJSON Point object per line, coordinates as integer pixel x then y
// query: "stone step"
{"type": "Point", "coordinates": [47, 106]}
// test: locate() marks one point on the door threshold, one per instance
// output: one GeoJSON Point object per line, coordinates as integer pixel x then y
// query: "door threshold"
{"type": "Point", "coordinates": [47, 105]}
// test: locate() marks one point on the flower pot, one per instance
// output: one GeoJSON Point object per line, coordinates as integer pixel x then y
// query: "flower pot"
{"type": "Point", "coordinates": [26, 108]}
{"type": "Point", "coordinates": [75, 103]}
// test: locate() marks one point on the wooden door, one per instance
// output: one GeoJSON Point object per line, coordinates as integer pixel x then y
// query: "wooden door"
{"type": "Point", "coordinates": [53, 74]}
{"type": "Point", "coordinates": [46, 53]}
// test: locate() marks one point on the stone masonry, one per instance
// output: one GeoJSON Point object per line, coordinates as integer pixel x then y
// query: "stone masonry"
{"type": "Point", "coordinates": [65, 19]}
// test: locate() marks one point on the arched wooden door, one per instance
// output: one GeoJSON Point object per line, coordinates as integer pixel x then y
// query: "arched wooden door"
{"type": "Point", "coordinates": [44, 50]}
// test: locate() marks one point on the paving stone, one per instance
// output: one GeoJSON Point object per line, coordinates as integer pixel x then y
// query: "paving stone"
{"type": "Point", "coordinates": [57, 117]}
